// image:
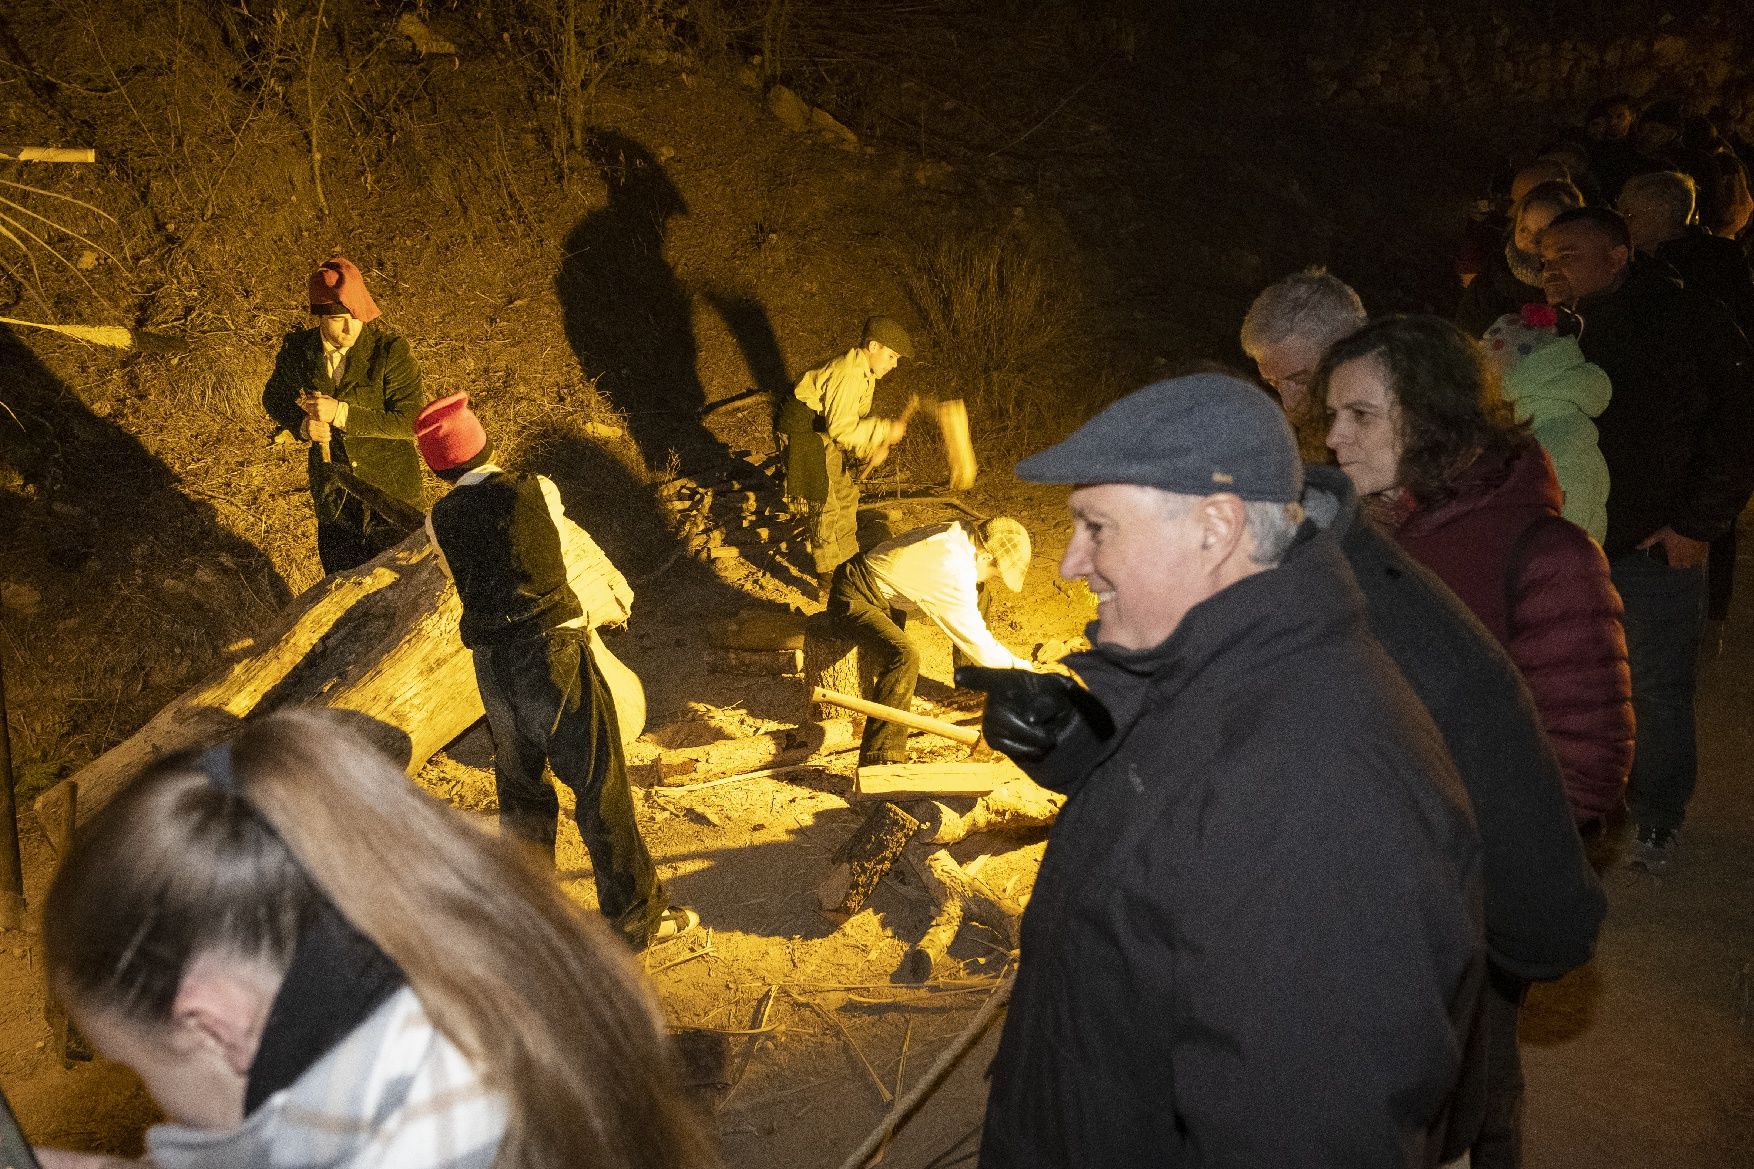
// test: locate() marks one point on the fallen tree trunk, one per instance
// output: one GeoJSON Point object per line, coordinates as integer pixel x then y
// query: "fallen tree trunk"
{"type": "Point", "coordinates": [961, 897]}
{"type": "Point", "coordinates": [1014, 806]}
{"type": "Point", "coordinates": [378, 643]}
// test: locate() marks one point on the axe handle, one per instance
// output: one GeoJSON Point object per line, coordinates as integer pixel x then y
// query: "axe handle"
{"type": "Point", "coordinates": [967, 736]}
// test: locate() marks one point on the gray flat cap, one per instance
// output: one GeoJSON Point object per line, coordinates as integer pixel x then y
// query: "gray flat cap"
{"type": "Point", "coordinates": [1198, 435]}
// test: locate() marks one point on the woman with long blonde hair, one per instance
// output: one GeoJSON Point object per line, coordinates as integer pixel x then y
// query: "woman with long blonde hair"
{"type": "Point", "coordinates": [312, 963]}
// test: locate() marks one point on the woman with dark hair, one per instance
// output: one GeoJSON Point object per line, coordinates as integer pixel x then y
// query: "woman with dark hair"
{"type": "Point", "coordinates": [1421, 428]}
{"type": "Point", "coordinates": [311, 963]}
{"type": "Point", "coordinates": [1420, 424]}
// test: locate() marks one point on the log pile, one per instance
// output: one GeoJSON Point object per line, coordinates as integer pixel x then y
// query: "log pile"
{"type": "Point", "coordinates": [731, 508]}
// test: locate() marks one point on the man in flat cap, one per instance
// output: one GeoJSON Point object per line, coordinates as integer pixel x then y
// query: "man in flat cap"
{"type": "Point", "coordinates": [1256, 936]}
{"type": "Point", "coordinates": [351, 388]}
{"type": "Point", "coordinates": [829, 433]}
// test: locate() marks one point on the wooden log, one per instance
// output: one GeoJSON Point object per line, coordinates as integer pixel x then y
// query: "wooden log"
{"type": "Point", "coordinates": [1016, 805]}
{"type": "Point", "coordinates": [967, 736]}
{"type": "Point", "coordinates": [863, 859]}
{"type": "Point", "coordinates": [958, 777]}
{"type": "Point", "coordinates": [761, 629]}
{"type": "Point", "coordinates": [379, 643]}
{"type": "Point", "coordinates": [733, 756]}
{"type": "Point", "coordinates": [961, 896]}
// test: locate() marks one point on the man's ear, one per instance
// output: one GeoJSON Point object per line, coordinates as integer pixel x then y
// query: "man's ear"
{"type": "Point", "coordinates": [1223, 526]}
{"type": "Point", "coordinates": [225, 1004]}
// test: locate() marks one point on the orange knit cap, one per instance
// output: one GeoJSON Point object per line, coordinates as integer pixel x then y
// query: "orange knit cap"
{"type": "Point", "coordinates": [338, 285]}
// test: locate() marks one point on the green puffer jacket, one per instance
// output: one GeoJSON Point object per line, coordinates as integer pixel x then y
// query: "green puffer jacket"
{"type": "Point", "coordinates": [1558, 393]}
{"type": "Point", "coordinates": [381, 385]}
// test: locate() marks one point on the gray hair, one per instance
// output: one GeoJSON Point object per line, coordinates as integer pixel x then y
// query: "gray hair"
{"type": "Point", "coordinates": [1309, 304]}
{"type": "Point", "coordinates": [1559, 195]}
{"type": "Point", "coordinates": [1272, 527]}
{"type": "Point", "coordinates": [1669, 192]}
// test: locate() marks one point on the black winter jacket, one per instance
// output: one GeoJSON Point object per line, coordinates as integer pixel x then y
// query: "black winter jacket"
{"type": "Point", "coordinates": [1255, 939]}
{"type": "Point", "coordinates": [1544, 906]}
{"type": "Point", "coordinates": [1678, 434]}
{"type": "Point", "coordinates": [381, 385]}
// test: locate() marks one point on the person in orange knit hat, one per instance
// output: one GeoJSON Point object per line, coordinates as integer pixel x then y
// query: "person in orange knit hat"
{"type": "Point", "coordinates": [349, 385]}
{"type": "Point", "coordinates": [498, 536]}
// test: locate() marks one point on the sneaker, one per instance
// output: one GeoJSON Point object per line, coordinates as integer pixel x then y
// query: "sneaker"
{"type": "Point", "coordinates": [676, 920]}
{"type": "Point", "coordinates": [1653, 849]}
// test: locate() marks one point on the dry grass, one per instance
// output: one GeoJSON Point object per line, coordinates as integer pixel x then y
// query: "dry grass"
{"type": "Point", "coordinates": [997, 307]}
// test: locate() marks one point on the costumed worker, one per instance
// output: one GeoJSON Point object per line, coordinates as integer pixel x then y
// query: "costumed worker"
{"type": "Point", "coordinates": [350, 386]}
{"type": "Point", "coordinates": [498, 536]}
{"type": "Point", "coordinates": [829, 433]}
{"type": "Point", "coordinates": [937, 570]}
{"type": "Point", "coordinates": [1558, 392]}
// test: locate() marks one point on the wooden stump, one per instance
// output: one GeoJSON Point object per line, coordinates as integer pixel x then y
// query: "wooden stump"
{"type": "Point", "coordinates": [832, 664]}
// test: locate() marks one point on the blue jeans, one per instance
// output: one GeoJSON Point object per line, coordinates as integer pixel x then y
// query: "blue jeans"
{"type": "Point", "coordinates": [548, 706]}
{"type": "Point", "coordinates": [1665, 618]}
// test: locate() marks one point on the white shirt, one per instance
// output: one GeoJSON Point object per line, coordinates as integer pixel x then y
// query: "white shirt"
{"type": "Point", "coordinates": [931, 570]}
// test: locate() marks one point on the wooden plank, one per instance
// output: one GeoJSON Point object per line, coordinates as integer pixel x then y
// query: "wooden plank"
{"type": "Point", "coordinates": [960, 777]}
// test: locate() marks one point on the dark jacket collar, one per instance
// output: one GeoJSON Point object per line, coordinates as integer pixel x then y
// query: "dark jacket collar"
{"type": "Point", "coordinates": [1308, 596]}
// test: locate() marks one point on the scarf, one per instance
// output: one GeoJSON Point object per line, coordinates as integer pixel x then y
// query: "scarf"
{"type": "Point", "coordinates": [394, 1094]}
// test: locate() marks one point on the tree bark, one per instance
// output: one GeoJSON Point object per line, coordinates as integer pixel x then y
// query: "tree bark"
{"type": "Point", "coordinates": [378, 643]}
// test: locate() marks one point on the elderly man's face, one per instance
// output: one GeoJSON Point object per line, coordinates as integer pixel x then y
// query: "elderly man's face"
{"type": "Point", "coordinates": [1287, 366]}
{"type": "Point", "coordinates": [1139, 557]}
{"type": "Point", "coordinates": [1579, 261]}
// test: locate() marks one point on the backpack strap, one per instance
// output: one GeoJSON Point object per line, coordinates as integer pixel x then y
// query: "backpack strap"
{"type": "Point", "coordinates": [1515, 563]}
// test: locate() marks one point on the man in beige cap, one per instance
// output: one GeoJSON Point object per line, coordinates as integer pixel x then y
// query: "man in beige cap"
{"type": "Point", "coordinates": [827, 432]}
{"type": "Point", "coordinates": [939, 570]}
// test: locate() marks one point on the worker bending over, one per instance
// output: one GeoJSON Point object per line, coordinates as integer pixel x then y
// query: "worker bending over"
{"type": "Point", "coordinates": [938, 570]}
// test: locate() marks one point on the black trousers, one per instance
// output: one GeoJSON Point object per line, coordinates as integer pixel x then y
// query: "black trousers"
{"type": "Point", "coordinates": [353, 536]}
{"type": "Point", "coordinates": [1500, 1144]}
{"type": "Point", "coordinates": [858, 613]}
{"type": "Point", "coordinates": [548, 706]}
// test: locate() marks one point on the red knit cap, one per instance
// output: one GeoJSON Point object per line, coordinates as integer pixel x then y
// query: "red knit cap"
{"type": "Point", "coordinates": [338, 282]}
{"type": "Point", "coordinates": [448, 433]}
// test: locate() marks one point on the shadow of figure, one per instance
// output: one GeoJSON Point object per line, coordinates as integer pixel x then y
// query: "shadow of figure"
{"type": "Point", "coordinates": [749, 324]}
{"type": "Point", "coordinates": [627, 316]}
{"type": "Point", "coordinates": [140, 584]}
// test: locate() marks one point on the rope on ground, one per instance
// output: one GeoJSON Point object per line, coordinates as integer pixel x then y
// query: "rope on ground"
{"type": "Point", "coordinates": [929, 1084]}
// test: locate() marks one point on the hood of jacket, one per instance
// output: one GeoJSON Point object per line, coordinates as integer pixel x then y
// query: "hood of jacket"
{"type": "Point", "coordinates": [1524, 483]}
{"type": "Point", "coordinates": [1555, 380]}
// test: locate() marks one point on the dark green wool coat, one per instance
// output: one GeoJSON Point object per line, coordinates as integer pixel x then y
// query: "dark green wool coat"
{"type": "Point", "coordinates": [381, 385]}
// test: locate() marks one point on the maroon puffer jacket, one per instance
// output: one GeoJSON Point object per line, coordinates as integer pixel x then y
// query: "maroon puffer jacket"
{"type": "Point", "coordinates": [1560, 620]}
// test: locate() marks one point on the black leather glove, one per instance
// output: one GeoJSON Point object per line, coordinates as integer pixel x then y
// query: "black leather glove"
{"type": "Point", "coordinates": [1029, 714]}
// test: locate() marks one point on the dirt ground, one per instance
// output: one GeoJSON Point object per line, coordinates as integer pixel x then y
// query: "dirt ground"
{"type": "Point", "coordinates": [697, 250]}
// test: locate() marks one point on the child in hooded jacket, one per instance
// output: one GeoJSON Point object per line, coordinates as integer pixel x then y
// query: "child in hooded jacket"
{"type": "Point", "coordinates": [1559, 394]}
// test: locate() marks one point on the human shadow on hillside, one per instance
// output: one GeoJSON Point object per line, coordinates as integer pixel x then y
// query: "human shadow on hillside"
{"type": "Point", "coordinates": [748, 321]}
{"type": "Point", "coordinates": [138, 583]}
{"type": "Point", "coordinates": [627, 317]}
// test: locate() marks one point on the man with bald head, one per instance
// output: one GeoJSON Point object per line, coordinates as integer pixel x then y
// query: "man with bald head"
{"type": "Point", "coordinates": [1678, 437]}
